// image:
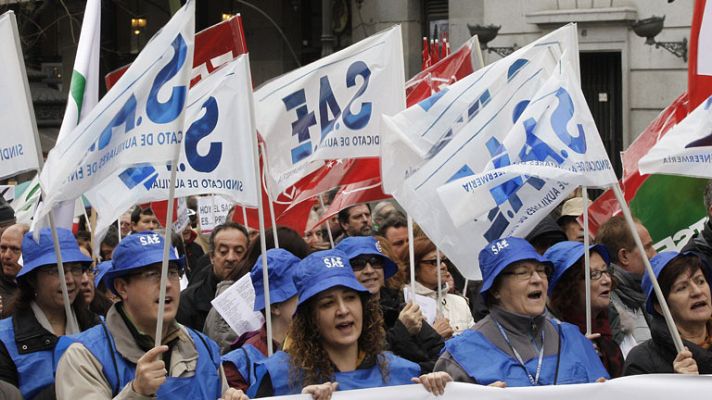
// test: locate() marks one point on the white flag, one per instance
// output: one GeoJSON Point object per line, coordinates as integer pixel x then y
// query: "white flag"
{"type": "Point", "coordinates": [558, 141]}
{"type": "Point", "coordinates": [439, 140]}
{"type": "Point", "coordinates": [216, 154]}
{"type": "Point", "coordinates": [18, 151]}
{"type": "Point", "coordinates": [139, 119]}
{"type": "Point", "coordinates": [686, 149]}
{"type": "Point", "coordinates": [330, 108]}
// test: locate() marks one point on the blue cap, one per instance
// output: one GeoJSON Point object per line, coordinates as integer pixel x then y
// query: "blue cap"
{"type": "Point", "coordinates": [35, 255]}
{"type": "Point", "coordinates": [136, 251]}
{"type": "Point", "coordinates": [280, 266]}
{"type": "Point", "coordinates": [100, 271]}
{"type": "Point", "coordinates": [659, 262]}
{"type": "Point", "coordinates": [501, 253]}
{"type": "Point", "coordinates": [565, 254]}
{"type": "Point", "coordinates": [323, 270]}
{"type": "Point", "coordinates": [355, 246]}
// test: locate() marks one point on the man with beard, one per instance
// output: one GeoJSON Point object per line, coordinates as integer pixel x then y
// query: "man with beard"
{"type": "Point", "coordinates": [227, 247]}
{"type": "Point", "coordinates": [10, 251]}
{"type": "Point", "coordinates": [356, 221]}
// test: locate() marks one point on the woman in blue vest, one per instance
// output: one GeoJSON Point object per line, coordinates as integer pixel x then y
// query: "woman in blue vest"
{"type": "Point", "coordinates": [239, 364]}
{"type": "Point", "coordinates": [516, 344]}
{"type": "Point", "coordinates": [336, 338]}
{"type": "Point", "coordinates": [28, 338]}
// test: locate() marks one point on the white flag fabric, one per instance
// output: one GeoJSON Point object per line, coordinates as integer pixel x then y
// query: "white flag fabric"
{"type": "Point", "coordinates": [215, 156]}
{"type": "Point", "coordinates": [440, 140]}
{"type": "Point", "coordinates": [331, 108]}
{"type": "Point", "coordinates": [141, 118]}
{"type": "Point", "coordinates": [686, 149]}
{"type": "Point", "coordinates": [18, 151]}
{"type": "Point", "coordinates": [558, 141]}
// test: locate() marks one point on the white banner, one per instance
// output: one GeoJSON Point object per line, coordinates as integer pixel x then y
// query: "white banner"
{"type": "Point", "coordinates": [559, 142]}
{"type": "Point", "coordinates": [686, 149]}
{"type": "Point", "coordinates": [647, 387]}
{"type": "Point", "coordinates": [215, 156]}
{"type": "Point", "coordinates": [212, 211]}
{"type": "Point", "coordinates": [140, 118]}
{"type": "Point", "coordinates": [330, 108]}
{"type": "Point", "coordinates": [18, 152]}
{"type": "Point", "coordinates": [440, 140]}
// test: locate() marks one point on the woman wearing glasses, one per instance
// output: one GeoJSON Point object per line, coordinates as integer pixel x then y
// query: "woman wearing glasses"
{"type": "Point", "coordinates": [516, 344]}
{"type": "Point", "coordinates": [29, 336]}
{"type": "Point", "coordinates": [568, 296]}
{"type": "Point", "coordinates": [456, 314]}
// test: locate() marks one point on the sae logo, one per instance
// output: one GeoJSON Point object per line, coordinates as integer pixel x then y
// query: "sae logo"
{"type": "Point", "coordinates": [499, 246]}
{"type": "Point", "coordinates": [332, 262]}
{"type": "Point", "coordinates": [147, 240]}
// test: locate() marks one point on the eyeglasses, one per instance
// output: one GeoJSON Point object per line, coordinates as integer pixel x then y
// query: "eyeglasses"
{"type": "Point", "coordinates": [154, 275]}
{"type": "Point", "coordinates": [75, 270]}
{"type": "Point", "coordinates": [526, 274]}
{"type": "Point", "coordinates": [359, 263]}
{"type": "Point", "coordinates": [14, 249]}
{"type": "Point", "coordinates": [598, 274]}
{"type": "Point", "coordinates": [433, 262]}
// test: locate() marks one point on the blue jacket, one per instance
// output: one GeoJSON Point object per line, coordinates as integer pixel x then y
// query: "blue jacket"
{"type": "Point", "coordinates": [576, 361]}
{"type": "Point", "coordinates": [245, 359]}
{"type": "Point", "coordinates": [400, 371]}
{"type": "Point", "coordinates": [205, 384]}
{"type": "Point", "coordinates": [35, 368]}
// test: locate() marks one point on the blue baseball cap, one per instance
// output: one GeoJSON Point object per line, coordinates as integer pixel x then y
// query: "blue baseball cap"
{"type": "Point", "coordinates": [565, 254]}
{"type": "Point", "coordinates": [39, 254]}
{"type": "Point", "coordinates": [136, 251]}
{"type": "Point", "coordinates": [355, 246]}
{"type": "Point", "coordinates": [501, 253]}
{"type": "Point", "coordinates": [323, 270]}
{"type": "Point", "coordinates": [280, 266]}
{"type": "Point", "coordinates": [659, 262]}
{"type": "Point", "coordinates": [101, 271]}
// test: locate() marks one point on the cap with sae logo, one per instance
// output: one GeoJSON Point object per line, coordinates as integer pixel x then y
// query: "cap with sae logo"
{"type": "Point", "coordinates": [323, 270]}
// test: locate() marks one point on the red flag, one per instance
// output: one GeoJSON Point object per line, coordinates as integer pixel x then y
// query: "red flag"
{"type": "Point", "coordinates": [426, 54]}
{"type": "Point", "coordinates": [160, 210]}
{"type": "Point", "coordinates": [699, 72]}
{"type": "Point", "coordinates": [355, 193]}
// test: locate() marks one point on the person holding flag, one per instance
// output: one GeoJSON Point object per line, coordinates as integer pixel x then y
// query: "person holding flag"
{"type": "Point", "coordinates": [117, 359]}
{"type": "Point", "coordinates": [28, 338]}
{"type": "Point", "coordinates": [337, 338]}
{"type": "Point", "coordinates": [517, 344]}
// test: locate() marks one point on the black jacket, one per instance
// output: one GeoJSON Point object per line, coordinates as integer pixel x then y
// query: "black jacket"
{"type": "Point", "coordinates": [423, 348]}
{"type": "Point", "coordinates": [195, 301]}
{"type": "Point", "coordinates": [701, 244]}
{"type": "Point", "coordinates": [655, 356]}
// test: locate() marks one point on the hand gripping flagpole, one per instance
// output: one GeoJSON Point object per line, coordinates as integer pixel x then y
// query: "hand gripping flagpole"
{"type": "Point", "coordinates": [649, 269]}
{"type": "Point", "coordinates": [273, 218]}
{"type": "Point", "coordinates": [71, 323]}
{"type": "Point", "coordinates": [586, 259]}
{"type": "Point", "coordinates": [166, 248]}
{"type": "Point", "coordinates": [260, 214]}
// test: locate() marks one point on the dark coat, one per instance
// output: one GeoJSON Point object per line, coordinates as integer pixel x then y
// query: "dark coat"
{"type": "Point", "coordinates": [423, 348]}
{"type": "Point", "coordinates": [701, 244]}
{"type": "Point", "coordinates": [195, 301]}
{"type": "Point", "coordinates": [655, 356]}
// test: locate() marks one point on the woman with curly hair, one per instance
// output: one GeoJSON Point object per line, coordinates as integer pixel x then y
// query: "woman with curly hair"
{"type": "Point", "coordinates": [336, 338]}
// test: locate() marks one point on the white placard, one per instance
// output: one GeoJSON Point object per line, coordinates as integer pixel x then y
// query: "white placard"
{"type": "Point", "coordinates": [236, 304]}
{"type": "Point", "coordinates": [212, 211]}
{"type": "Point", "coordinates": [428, 306]}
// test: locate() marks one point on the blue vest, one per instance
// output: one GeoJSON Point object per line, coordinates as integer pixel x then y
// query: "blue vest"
{"type": "Point", "coordinates": [35, 370]}
{"type": "Point", "coordinates": [118, 371]}
{"type": "Point", "coordinates": [400, 371]}
{"type": "Point", "coordinates": [486, 363]}
{"type": "Point", "coordinates": [245, 359]}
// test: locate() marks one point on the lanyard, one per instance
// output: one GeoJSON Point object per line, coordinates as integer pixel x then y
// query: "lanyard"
{"type": "Point", "coordinates": [533, 380]}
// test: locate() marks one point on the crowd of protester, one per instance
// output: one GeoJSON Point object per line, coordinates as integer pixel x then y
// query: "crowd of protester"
{"type": "Point", "coordinates": [344, 317]}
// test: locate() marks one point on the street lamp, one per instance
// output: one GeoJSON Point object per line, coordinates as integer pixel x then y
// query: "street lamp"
{"type": "Point", "coordinates": [648, 28]}
{"type": "Point", "coordinates": [486, 34]}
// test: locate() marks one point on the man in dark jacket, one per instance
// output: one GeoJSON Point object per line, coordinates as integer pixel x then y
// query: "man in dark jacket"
{"type": "Point", "coordinates": [227, 247]}
{"type": "Point", "coordinates": [10, 251]}
{"type": "Point", "coordinates": [701, 243]}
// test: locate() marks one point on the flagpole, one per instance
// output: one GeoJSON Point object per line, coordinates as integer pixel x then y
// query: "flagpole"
{"type": "Point", "coordinates": [649, 269]}
{"type": "Point", "coordinates": [328, 225]}
{"type": "Point", "coordinates": [440, 281]}
{"type": "Point", "coordinates": [118, 227]}
{"type": "Point", "coordinates": [265, 169]}
{"type": "Point", "coordinates": [40, 160]}
{"type": "Point", "coordinates": [586, 259]}
{"type": "Point", "coordinates": [244, 217]}
{"type": "Point", "coordinates": [166, 248]}
{"type": "Point", "coordinates": [261, 216]}
{"type": "Point", "coordinates": [411, 255]}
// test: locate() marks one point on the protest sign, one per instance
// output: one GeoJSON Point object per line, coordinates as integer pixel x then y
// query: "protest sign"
{"type": "Point", "coordinates": [212, 211]}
